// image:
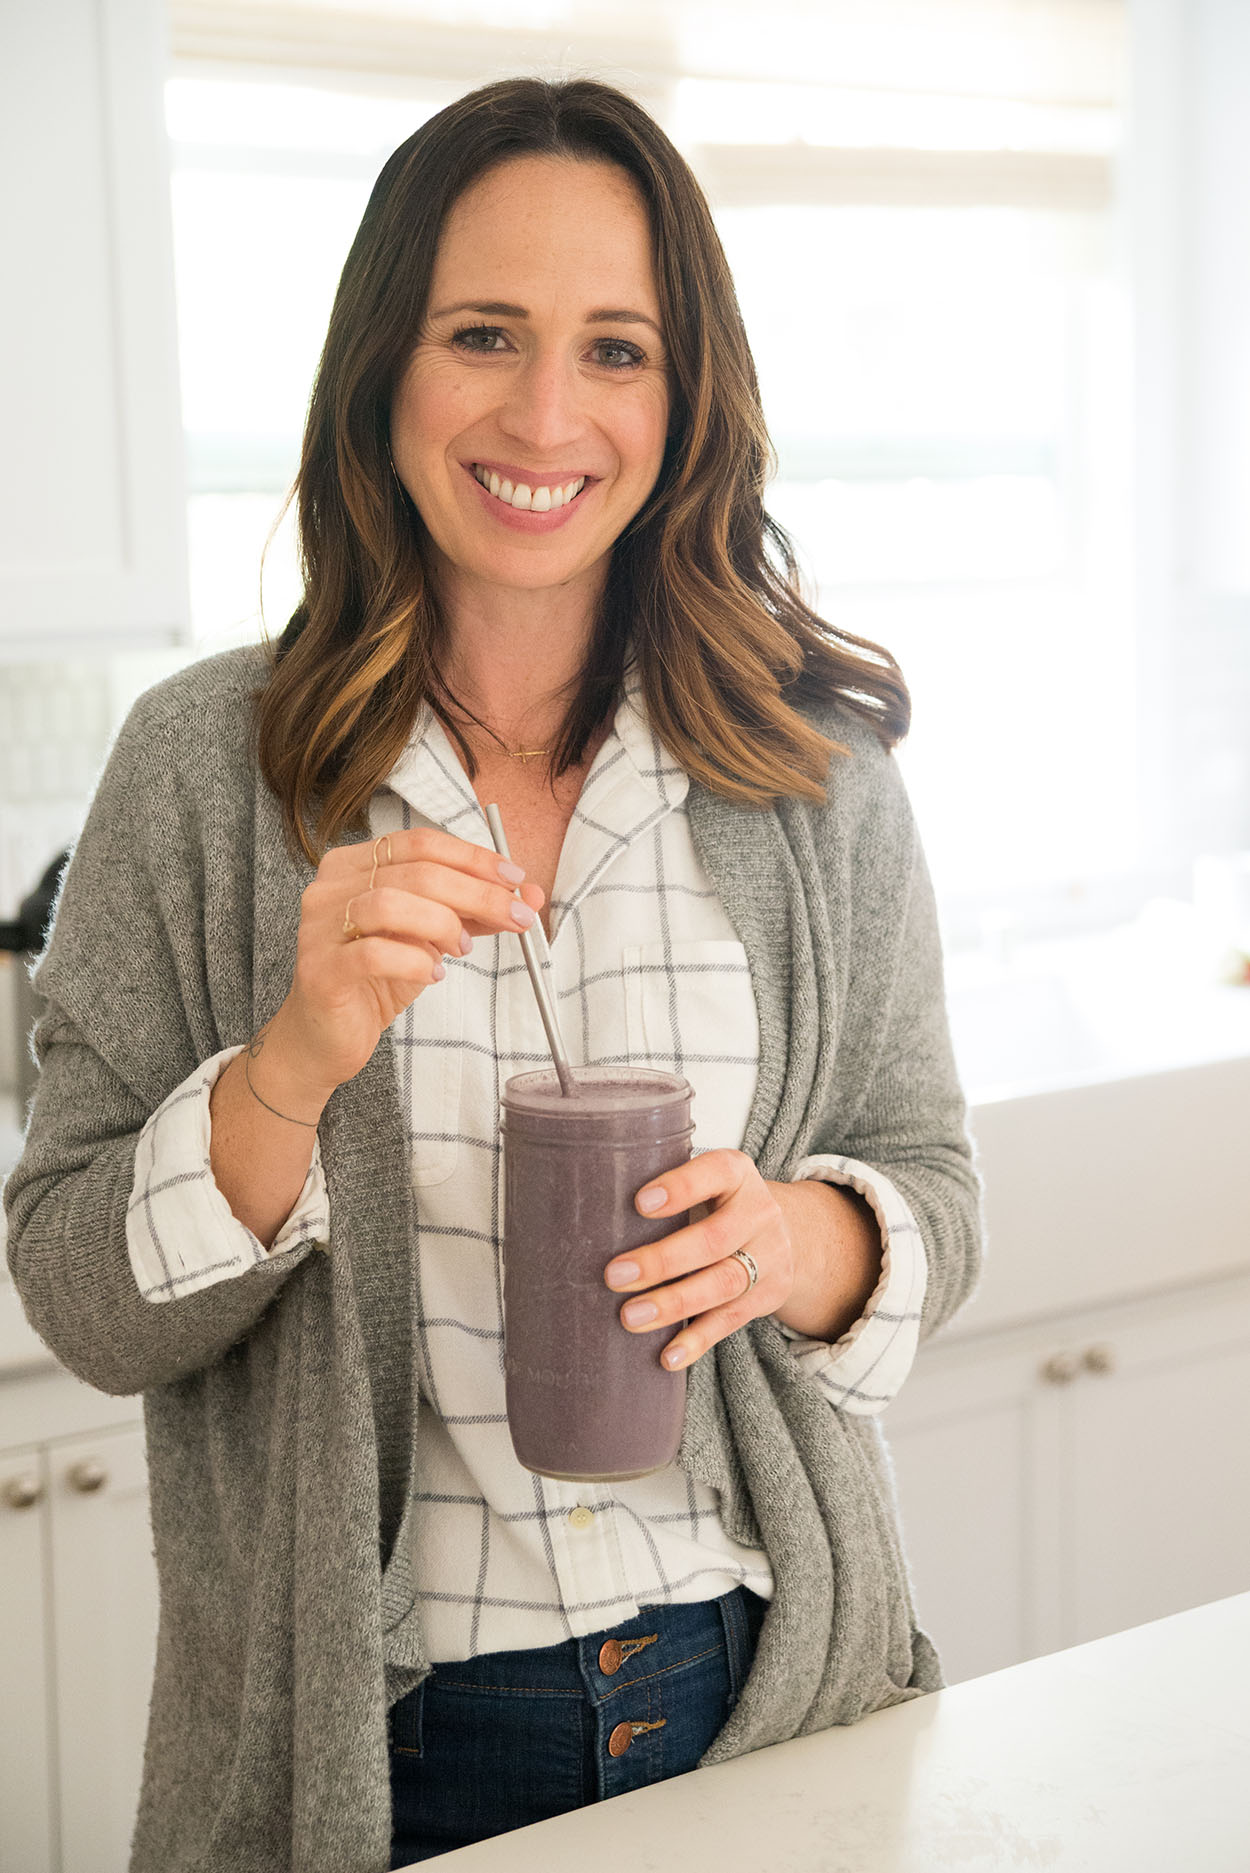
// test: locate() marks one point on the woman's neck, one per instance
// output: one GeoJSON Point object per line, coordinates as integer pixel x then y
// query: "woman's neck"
{"type": "Point", "coordinates": [514, 656]}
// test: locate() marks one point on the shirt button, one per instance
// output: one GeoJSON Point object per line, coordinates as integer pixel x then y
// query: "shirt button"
{"type": "Point", "coordinates": [581, 1517]}
{"type": "Point", "coordinates": [620, 1739]}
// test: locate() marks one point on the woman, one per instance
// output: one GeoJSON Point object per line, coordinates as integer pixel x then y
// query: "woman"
{"type": "Point", "coordinates": [261, 1180]}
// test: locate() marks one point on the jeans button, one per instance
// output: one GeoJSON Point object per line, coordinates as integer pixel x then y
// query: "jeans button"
{"type": "Point", "coordinates": [610, 1657]}
{"type": "Point", "coordinates": [620, 1739]}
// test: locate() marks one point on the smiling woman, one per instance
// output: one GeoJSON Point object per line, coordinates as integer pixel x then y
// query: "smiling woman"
{"type": "Point", "coordinates": [538, 572]}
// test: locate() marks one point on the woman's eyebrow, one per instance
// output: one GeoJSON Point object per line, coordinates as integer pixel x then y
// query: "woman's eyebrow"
{"type": "Point", "coordinates": [499, 309]}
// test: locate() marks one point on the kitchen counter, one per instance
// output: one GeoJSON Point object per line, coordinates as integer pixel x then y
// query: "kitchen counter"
{"type": "Point", "coordinates": [1127, 1755]}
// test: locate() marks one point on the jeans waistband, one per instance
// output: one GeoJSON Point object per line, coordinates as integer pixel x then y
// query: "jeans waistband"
{"type": "Point", "coordinates": [577, 1665]}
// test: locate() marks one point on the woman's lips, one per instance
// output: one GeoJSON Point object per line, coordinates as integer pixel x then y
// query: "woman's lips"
{"type": "Point", "coordinates": [526, 520]}
{"type": "Point", "coordinates": [528, 493]}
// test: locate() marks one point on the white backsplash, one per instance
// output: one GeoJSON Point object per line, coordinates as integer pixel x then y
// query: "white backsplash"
{"type": "Point", "coordinates": [57, 723]}
{"type": "Point", "coordinates": [58, 720]}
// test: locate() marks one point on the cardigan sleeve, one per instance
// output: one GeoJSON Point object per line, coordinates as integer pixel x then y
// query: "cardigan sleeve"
{"type": "Point", "coordinates": [181, 1233]}
{"type": "Point", "coordinates": [903, 1112]}
{"type": "Point", "coordinates": [126, 1018]}
{"type": "Point", "coordinates": [864, 1369]}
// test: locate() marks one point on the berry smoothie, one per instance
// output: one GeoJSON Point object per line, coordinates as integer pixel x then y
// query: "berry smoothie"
{"type": "Point", "coordinates": [588, 1401]}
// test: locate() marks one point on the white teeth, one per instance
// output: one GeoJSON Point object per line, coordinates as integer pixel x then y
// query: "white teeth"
{"type": "Point", "coordinates": [539, 500]}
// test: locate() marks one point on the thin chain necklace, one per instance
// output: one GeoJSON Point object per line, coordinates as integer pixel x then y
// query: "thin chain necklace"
{"type": "Point", "coordinates": [524, 755]}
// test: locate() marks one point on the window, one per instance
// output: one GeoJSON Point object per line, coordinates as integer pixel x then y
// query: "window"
{"type": "Point", "coordinates": [269, 184]}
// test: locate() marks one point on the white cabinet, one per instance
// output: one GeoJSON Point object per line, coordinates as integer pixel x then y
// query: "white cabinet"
{"type": "Point", "coordinates": [960, 1436]}
{"type": "Point", "coordinates": [1062, 1481]}
{"type": "Point", "coordinates": [104, 1602]}
{"type": "Point", "coordinates": [78, 1614]}
{"type": "Point", "coordinates": [92, 477]}
{"type": "Point", "coordinates": [27, 1818]}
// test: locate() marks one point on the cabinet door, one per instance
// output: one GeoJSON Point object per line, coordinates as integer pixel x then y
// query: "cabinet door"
{"type": "Point", "coordinates": [105, 1611]}
{"type": "Point", "coordinates": [27, 1822]}
{"type": "Point", "coordinates": [1156, 1432]}
{"type": "Point", "coordinates": [961, 1435]}
{"type": "Point", "coordinates": [92, 478]}
{"type": "Point", "coordinates": [1063, 1481]}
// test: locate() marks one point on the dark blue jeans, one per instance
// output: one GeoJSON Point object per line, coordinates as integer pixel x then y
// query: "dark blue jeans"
{"type": "Point", "coordinates": [497, 1742]}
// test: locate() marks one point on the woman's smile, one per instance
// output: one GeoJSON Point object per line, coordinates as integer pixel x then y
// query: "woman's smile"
{"type": "Point", "coordinates": [531, 503]}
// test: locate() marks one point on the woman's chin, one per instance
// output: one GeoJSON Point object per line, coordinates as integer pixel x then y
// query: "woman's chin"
{"type": "Point", "coordinates": [522, 569]}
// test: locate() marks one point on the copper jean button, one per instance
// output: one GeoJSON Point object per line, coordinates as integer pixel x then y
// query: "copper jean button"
{"type": "Point", "coordinates": [610, 1656]}
{"type": "Point", "coordinates": [620, 1739]}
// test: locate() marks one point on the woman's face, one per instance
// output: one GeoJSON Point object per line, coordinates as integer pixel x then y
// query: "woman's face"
{"type": "Point", "coordinates": [540, 370]}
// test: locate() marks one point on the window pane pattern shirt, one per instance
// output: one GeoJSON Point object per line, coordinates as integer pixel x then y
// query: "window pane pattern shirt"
{"type": "Point", "coordinates": [647, 971]}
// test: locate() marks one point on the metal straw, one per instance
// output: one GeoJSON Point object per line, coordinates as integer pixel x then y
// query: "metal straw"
{"type": "Point", "coordinates": [530, 940]}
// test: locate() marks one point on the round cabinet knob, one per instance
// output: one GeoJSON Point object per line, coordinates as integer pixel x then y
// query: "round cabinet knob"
{"type": "Point", "coordinates": [88, 1475]}
{"type": "Point", "coordinates": [1099, 1358]}
{"type": "Point", "coordinates": [1061, 1368]}
{"type": "Point", "coordinates": [22, 1492]}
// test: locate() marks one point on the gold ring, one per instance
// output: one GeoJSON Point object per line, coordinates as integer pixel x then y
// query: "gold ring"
{"type": "Point", "coordinates": [377, 842]}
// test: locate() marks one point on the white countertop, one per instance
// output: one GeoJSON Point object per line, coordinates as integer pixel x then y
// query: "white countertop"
{"type": "Point", "coordinates": [1127, 1755]}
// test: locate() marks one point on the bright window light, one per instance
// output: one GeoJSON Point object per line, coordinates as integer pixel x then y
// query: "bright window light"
{"type": "Point", "coordinates": [708, 110]}
{"type": "Point", "coordinates": [288, 117]}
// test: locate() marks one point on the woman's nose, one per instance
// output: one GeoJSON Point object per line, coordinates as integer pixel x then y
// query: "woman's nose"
{"type": "Point", "coordinates": [543, 407]}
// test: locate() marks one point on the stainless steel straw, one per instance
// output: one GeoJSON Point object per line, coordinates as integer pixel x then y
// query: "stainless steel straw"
{"type": "Point", "coordinates": [530, 940]}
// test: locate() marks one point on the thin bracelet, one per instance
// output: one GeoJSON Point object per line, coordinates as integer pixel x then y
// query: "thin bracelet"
{"type": "Point", "coordinates": [311, 1123]}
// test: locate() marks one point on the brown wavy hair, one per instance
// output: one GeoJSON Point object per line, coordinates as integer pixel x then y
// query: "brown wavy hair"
{"type": "Point", "coordinates": [702, 578]}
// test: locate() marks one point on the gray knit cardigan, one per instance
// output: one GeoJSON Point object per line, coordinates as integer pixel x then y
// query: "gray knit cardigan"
{"type": "Point", "coordinates": [283, 1431]}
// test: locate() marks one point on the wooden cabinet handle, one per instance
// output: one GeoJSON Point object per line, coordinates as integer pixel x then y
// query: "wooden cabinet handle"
{"type": "Point", "coordinates": [1061, 1368]}
{"type": "Point", "coordinates": [22, 1492]}
{"type": "Point", "coordinates": [88, 1475]}
{"type": "Point", "coordinates": [1099, 1358]}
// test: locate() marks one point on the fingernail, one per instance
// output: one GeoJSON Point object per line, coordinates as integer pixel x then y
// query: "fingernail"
{"type": "Point", "coordinates": [466, 942]}
{"type": "Point", "coordinates": [652, 1199]}
{"type": "Point", "coordinates": [440, 970]}
{"type": "Point", "coordinates": [674, 1356]}
{"type": "Point", "coordinates": [524, 914]}
{"type": "Point", "coordinates": [511, 872]}
{"type": "Point", "coordinates": [638, 1311]}
{"type": "Point", "coordinates": [620, 1274]}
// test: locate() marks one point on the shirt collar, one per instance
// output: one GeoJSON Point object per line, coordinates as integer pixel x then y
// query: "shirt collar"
{"type": "Point", "coordinates": [428, 773]}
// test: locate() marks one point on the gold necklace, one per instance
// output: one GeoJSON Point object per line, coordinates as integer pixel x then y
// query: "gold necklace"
{"type": "Point", "coordinates": [523, 755]}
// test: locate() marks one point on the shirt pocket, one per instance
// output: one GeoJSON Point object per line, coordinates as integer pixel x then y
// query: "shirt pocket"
{"type": "Point", "coordinates": [690, 1008]}
{"type": "Point", "coordinates": [430, 1066]}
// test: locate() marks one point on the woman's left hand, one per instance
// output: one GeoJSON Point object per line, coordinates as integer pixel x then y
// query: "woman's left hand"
{"type": "Point", "coordinates": [714, 1292]}
{"type": "Point", "coordinates": [817, 1247]}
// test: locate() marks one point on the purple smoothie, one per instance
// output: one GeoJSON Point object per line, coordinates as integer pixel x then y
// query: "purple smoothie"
{"type": "Point", "coordinates": [588, 1401]}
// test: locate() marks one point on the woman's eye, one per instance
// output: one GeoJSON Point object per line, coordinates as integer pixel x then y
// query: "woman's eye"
{"type": "Point", "coordinates": [468, 332]}
{"type": "Point", "coordinates": [626, 354]}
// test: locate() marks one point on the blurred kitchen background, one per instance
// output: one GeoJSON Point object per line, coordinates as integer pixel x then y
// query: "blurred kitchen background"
{"type": "Point", "coordinates": [993, 260]}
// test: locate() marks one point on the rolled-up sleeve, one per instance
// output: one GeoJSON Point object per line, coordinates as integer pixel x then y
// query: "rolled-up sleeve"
{"type": "Point", "coordinates": [863, 1370]}
{"type": "Point", "coordinates": [181, 1233]}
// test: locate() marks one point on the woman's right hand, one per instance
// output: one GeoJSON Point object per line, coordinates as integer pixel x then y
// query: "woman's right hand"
{"type": "Point", "coordinates": [434, 895]}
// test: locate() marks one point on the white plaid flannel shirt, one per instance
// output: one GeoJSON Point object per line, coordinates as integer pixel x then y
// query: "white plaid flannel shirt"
{"type": "Point", "coordinates": [648, 971]}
